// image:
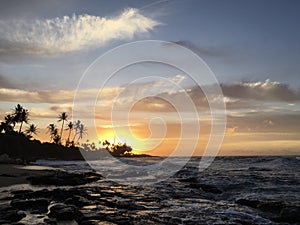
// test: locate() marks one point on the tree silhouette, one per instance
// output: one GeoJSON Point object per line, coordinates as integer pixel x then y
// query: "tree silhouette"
{"type": "Point", "coordinates": [70, 128]}
{"type": "Point", "coordinates": [117, 149]}
{"type": "Point", "coordinates": [56, 139]}
{"type": "Point", "coordinates": [10, 120]}
{"type": "Point", "coordinates": [32, 129]}
{"type": "Point", "coordinates": [8, 125]}
{"type": "Point", "coordinates": [106, 144]}
{"type": "Point", "coordinates": [21, 115]}
{"type": "Point", "coordinates": [51, 130]}
{"type": "Point", "coordinates": [76, 126]}
{"type": "Point", "coordinates": [82, 130]}
{"type": "Point", "coordinates": [62, 117]}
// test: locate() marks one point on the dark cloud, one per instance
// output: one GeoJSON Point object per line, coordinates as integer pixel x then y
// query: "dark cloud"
{"type": "Point", "coordinates": [261, 91]}
{"type": "Point", "coordinates": [206, 51]}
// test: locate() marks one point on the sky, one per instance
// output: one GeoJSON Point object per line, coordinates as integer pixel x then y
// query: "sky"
{"type": "Point", "coordinates": [59, 57]}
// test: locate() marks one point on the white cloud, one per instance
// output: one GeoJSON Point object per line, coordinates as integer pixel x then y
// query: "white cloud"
{"type": "Point", "coordinates": [267, 84]}
{"type": "Point", "coordinates": [67, 34]}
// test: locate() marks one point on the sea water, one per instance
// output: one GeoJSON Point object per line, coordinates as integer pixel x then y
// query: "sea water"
{"type": "Point", "coordinates": [269, 180]}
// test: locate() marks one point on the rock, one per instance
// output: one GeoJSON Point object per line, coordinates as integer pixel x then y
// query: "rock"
{"type": "Point", "coordinates": [188, 180]}
{"type": "Point", "coordinates": [63, 212]}
{"type": "Point", "coordinates": [96, 222]}
{"type": "Point", "coordinates": [253, 168]}
{"type": "Point", "coordinates": [290, 214]}
{"type": "Point", "coordinates": [8, 215]}
{"type": "Point", "coordinates": [120, 220]}
{"type": "Point", "coordinates": [263, 205]}
{"type": "Point", "coordinates": [206, 187]}
{"type": "Point", "coordinates": [20, 161]}
{"type": "Point", "coordinates": [51, 221]}
{"type": "Point", "coordinates": [248, 202]}
{"type": "Point", "coordinates": [78, 201]}
{"type": "Point", "coordinates": [22, 194]}
{"type": "Point", "coordinates": [128, 204]}
{"type": "Point", "coordinates": [60, 178]}
{"type": "Point", "coordinates": [4, 158]}
{"type": "Point", "coordinates": [31, 204]}
{"type": "Point", "coordinates": [270, 206]}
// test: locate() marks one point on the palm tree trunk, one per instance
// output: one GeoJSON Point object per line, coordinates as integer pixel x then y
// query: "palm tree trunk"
{"type": "Point", "coordinates": [74, 137]}
{"type": "Point", "coordinates": [69, 135]}
{"type": "Point", "coordinates": [21, 127]}
{"type": "Point", "coordinates": [78, 139]}
{"type": "Point", "coordinates": [62, 127]}
{"type": "Point", "coordinates": [68, 140]}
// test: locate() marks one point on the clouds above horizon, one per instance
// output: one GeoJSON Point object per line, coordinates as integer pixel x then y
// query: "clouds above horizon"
{"type": "Point", "coordinates": [70, 33]}
{"type": "Point", "coordinates": [234, 94]}
{"type": "Point", "coordinates": [262, 91]}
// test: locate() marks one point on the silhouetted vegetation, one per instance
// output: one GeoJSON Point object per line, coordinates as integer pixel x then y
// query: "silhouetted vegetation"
{"type": "Point", "coordinates": [20, 144]}
{"type": "Point", "coordinates": [120, 149]}
{"type": "Point", "coordinates": [20, 115]}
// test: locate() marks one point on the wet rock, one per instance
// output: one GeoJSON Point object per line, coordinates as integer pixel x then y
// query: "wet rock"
{"type": "Point", "coordinates": [22, 194]}
{"type": "Point", "coordinates": [120, 219]}
{"type": "Point", "coordinates": [60, 178]}
{"type": "Point", "coordinates": [188, 180]}
{"type": "Point", "coordinates": [8, 215]}
{"type": "Point", "coordinates": [270, 206]}
{"type": "Point", "coordinates": [128, 204]}
{"type": "Point", "coordinates": [253, 168]}
{"type": "Point", "coordinates": [248, 202]}
{"type": "Point", "coordinates": [78, 201]}
{"type": "Point", "coordinates": [44, 193]}
{"type": "Point", "coordinates": [206, 187]}
{"type": "Point", "coordinates": [290, 214]}
{"type": "Point", "coordinates": [90, 215]}
{"type": "Point", "coordinates": [4, 158]}
{"type": "Point", "coordinates": [263, 205]}
{"type": "Point", "coordinates": [50, 221]}
{"type": "Point", "coordinates": [31, 204]}
{"type": "Point", "coordinates": [63, 212]}
{"type": "Point", "coordinates": [96, 222]}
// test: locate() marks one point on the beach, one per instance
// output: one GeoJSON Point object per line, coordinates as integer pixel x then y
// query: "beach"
{"type": "Point", "coordinates": [11, 174]}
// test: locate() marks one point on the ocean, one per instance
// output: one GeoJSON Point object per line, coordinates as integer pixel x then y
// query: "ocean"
{"type": "Point", "coordinates": [232, 190]}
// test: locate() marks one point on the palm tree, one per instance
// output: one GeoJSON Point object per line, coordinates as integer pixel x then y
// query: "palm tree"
{"type": "Point", "coordinates": [76, 126]}
{"type": "Point", "coordinates": [32, 129]}
{"type": "Point", "coordinates": [56, 139]}
{"type": "Point", "coordinates": [82, 130]}
{"type": "Point", "coordinates": [23, 118]}
{"type": "Point", "coordinates": [51, 129]}
{"type": "Point", "coordinates": [9, 123]}
{"type": "Point", "coordinates": [20, 116]}
{"type": "Point", "coordinates": [62, 117]}
{"type": "Point", "coordinates": [10, 120]}
{"type": "Point", "coordinates": [70, 128]}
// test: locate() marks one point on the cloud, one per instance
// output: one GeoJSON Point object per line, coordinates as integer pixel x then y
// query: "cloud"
{"type": "Point", "coordinates": [5, 83]}
{"type": "Point", "coordinates": [282, 122]}
{"type": "Point", "coordinates": [262, 91]}
{"type": "Point", "coordinates": [107, 96]}
{"type": "Point", "coordinates": [207, 51]}
{"type": "Point", "coordinates": [68, 34]}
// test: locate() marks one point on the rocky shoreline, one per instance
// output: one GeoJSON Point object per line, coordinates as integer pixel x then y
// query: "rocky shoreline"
{"type": "Point", "coordinates": [59, 197]}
